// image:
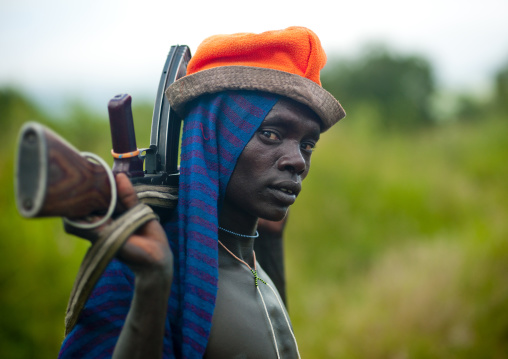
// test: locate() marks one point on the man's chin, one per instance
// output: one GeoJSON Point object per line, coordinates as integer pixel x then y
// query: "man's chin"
{"type": "Point", "coordinates": [276, 215]}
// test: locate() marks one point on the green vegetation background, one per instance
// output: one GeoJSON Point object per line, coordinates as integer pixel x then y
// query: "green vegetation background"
{"type": "Point", "coordinates": [396, 248]}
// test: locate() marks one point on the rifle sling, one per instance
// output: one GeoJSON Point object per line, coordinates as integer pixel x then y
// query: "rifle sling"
{"type": "Point", "coordinates": [99, 255]}
{"type": "Point", "coordinates": [157, 196]}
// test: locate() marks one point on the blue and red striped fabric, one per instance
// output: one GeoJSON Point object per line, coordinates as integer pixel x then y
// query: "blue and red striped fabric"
{"type": "Point", "coordinates": [215, 132]}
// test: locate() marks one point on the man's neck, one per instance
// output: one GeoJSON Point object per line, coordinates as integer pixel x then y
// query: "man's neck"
{"type": "Point", "coordinates": [240, 247]}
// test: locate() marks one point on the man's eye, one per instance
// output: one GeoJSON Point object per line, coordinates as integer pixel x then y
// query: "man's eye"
{"type": "Point", "coordinates": [270, 135]}
{"type": "Point", "coordinates": [309, 147]}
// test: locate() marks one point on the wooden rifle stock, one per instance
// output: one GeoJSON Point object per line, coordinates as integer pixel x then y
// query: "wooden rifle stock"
{"type": "Point", "coordinates": [53, 179]}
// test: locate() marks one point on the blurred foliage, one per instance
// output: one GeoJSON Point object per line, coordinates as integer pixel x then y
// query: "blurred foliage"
{"type": "Point", "coordinates": [398, 87]}
{"type": "Point", "coordinates": [396, 247]}
{"type": "Point", "coordinates": [501, 83]}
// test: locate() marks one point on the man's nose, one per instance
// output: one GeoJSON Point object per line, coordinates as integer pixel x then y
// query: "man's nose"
{"type": "Point", "coordinates": [292, 160]}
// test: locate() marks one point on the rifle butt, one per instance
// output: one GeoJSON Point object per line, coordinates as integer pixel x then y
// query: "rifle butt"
{"type": "Point", "coordinates": [53, 179]}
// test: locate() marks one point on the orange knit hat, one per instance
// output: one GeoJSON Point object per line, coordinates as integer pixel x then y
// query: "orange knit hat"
{"type": "Point", "coordinates": [285, 62]}
{"type": "Point", "coordinates": [296, 50]}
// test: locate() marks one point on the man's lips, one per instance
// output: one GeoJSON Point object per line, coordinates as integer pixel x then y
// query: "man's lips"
{"type": "Point", "coordinates": [287, 191]}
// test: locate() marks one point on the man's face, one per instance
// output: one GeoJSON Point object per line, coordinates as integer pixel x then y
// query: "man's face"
{"type": "Point", "coordinates": [269, 173]}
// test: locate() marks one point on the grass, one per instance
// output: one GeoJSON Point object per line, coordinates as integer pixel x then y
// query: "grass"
{"type": "Point", "coordinates": [396, 247]}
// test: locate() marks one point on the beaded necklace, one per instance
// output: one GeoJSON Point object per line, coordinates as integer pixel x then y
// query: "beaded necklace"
{"type": "Point", "coordinates": [238, 234]}
{"type": "Point", "coordinates": [256, 279]}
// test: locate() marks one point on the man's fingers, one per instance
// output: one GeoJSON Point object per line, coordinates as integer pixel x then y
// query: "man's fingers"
{"type": "Point", "coordinates": [126, 194]}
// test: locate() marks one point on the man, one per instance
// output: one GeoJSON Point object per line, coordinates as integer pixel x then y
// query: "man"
{"type": "Point", "coordinates": [253, 111]}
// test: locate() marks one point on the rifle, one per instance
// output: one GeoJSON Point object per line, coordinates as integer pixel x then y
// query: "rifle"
{"type": "Point", "coordinates": [52, 178]}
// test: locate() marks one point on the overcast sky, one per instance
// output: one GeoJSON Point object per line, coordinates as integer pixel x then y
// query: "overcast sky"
{"type": "Point", "coordinates": [58, 50]}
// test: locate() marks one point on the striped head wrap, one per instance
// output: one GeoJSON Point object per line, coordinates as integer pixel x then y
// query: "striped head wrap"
{"type": "Point", "coordinates": [216, 130]}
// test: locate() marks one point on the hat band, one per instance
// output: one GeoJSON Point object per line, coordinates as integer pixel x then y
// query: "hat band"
{"type": "Point", "coordinates": [223, 78]}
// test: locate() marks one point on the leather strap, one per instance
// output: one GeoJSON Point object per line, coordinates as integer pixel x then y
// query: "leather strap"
{"type": "Point", "coordinates": [99, 255]}
{"type": "Point", "coordinates": [157, 196]}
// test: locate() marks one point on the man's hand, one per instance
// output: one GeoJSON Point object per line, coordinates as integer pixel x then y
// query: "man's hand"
{"type": "Point", "coordinates": [148, 248]}
{"type": "Point", "coordinates": [145, 250]}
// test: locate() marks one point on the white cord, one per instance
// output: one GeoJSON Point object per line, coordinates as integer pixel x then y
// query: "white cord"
{"type": "Point", "coordinates": [285, 317]}
{"type": "Point", "coordinates": [254, 272]}
{"type": "Point", "coordinates": [112, 204]}
{"type": "Point", "coordinates": [269, 321]}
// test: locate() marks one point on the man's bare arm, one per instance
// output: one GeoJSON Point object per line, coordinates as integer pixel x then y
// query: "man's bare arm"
{"type": "Point", "coordinates": [148, 254]}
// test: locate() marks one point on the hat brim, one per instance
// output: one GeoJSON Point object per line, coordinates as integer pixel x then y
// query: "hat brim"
{"type": "Point", "coordinates": [224, 78]}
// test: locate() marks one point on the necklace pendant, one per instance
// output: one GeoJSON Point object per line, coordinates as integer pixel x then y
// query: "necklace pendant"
{"type": "Point", "coordinates": [256, 277]}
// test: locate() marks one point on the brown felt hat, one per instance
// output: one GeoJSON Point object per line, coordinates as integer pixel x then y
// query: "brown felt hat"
{"type": "Point", "coordinates": [284, 62]}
